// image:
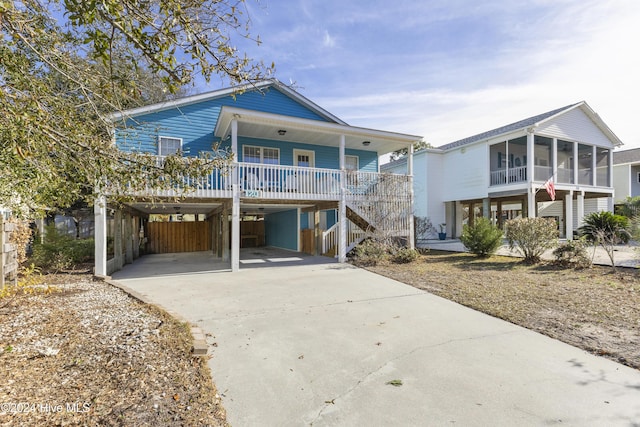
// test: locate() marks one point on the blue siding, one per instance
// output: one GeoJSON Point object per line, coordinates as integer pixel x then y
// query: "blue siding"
{"type": "Point", "coordinates": [325, 157]}
{"type": "Point", "coordinates": [331, 217]}
{"type": "Point", "coordinates": [281, 229]}
{"type": "Point", "coordinates": [304, 221]}
{"type": "Point", "coordinates": [195, 123]}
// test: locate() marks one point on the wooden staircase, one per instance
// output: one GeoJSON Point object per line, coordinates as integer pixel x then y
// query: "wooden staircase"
{"type": "Point", "coordinates": [359, 220]}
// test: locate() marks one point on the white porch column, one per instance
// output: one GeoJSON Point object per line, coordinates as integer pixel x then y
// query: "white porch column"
{"type": "Point", "coordinates": [342, 208]}
{"type": "Point", "coordinates": [554, 160]}
{"type": "Point", "coordinates": [580, 207]}
{"type": "Point", "coordinates": [235, 207]}
{"type": "Point", "coordinates": [486, 208]}
{"type": "Point", "coordinates": [568, 215]}
{"type": "Point", "coordinates": [575, 162]}
{"type": "Point", "coordinates": [530, 156]}
{"type": "Point", "coordinates": [594, 165]}
{"type": "Point", "coordinates": [531, 202]}
{"type": "Point", "coordinates": [100, 235]}
{"type": "Point", "coordinates": [412, 242]}
{"type": "Point", "coordinates": [225, 232]}
{"type": "Point", "coordinates": [610, 175]}
{"type": "Point", "coordinates": [610, 203]}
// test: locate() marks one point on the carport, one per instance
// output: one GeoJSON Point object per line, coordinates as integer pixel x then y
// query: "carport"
{"type": "Point", "coordinates": [127, 232]}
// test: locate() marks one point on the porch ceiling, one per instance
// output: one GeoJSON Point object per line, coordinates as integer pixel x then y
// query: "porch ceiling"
{"type": "Point", "coordinates": [166, 208]}
{"type": "Point", "coordinates": [265, 125]}
{"type": "Point", "coordinates": [206, 208]}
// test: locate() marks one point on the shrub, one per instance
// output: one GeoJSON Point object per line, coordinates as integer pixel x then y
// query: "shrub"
{"type": "Point", "coordinates": [369, 253]}
{"type": "Point", "coordinates": [482, 238]}
{"type": "Point", "coordinates": [531, 236]}
{"type": "Point", "coordinates": [423, 229]}
{"type": "Point", "coordinates": [605, 225]}
{"type": "Point", "coordinates": [60, 251]}
{"type": "Point", "coordinates": [404, 255]}
{"type": "Point", "coordinates": [607, 230]}
{"type": "Point", "coordinates": [573, 253]}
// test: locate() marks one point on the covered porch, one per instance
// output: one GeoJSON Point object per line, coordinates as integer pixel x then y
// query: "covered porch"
{"type": "Point", "coordinates": [568, 209]}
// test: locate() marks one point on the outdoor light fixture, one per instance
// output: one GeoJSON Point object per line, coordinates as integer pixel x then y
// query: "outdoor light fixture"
{"type": "Point", "coordinates": [281, 132]}
{"type": "Point", "coordinates": [366, 143]}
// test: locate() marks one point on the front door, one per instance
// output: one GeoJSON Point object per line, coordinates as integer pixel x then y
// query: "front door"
{"type": "Point", "coordinates": [304, 158]}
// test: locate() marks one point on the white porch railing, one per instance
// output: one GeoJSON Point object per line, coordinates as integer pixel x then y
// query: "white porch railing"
{"type": "Point", "coordinates": [331, 237]}
{"type": "Point", "coordinates": [508, 176]}
{"type": "Point", "coordinates": [288, 182]}
{"type": "Point", "coordinates": [264, 181]}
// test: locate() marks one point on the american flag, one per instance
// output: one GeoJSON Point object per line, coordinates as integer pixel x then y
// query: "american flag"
{"type": "Point", "coordinates": [551, 189]}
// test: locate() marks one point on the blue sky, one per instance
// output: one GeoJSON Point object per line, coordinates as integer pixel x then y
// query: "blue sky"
{"type": "Point", "coordinates": [447, 69]}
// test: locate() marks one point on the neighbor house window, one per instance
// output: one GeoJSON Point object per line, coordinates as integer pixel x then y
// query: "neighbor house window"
{"type": "Point", "coordinates": [168, 146]}
{"type": "Point", "coordinates": [269, 156]}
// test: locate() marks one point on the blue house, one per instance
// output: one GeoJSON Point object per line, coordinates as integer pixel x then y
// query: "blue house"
{"type": "Point", "coordinates": [301, 179]}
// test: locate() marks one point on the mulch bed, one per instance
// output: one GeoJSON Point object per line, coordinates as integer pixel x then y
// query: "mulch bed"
{"type": "Point", "coordinates": [88, 354]}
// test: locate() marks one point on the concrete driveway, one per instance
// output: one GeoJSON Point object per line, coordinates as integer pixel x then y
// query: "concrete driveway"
{"type": "Point", "coordinates": [312, 342]}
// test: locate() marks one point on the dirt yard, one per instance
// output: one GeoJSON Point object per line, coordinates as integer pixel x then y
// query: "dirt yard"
{"type": "Point", "coordinates": [593, 309]}
{"type": "Point", "coordinates": [88, 354]}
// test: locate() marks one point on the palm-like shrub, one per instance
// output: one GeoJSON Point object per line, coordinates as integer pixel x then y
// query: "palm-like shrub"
{"type": "Point", "coordinates": [607, 230]}
{"type": "Point", "coordinates": [482, 238]}
{"type": "Point", "coordinates": [599, 225]}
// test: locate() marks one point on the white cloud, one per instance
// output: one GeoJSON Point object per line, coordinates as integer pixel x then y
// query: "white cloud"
{"type": "Point", "coordinates": [327, 40]}
{"type": "Point", "coordinates": [448, 69]}
{"type": "Point", "coordinates": [580, 51]}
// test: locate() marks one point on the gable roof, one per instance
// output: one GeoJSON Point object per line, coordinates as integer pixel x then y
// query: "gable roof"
{"type": "Point", "coordinates": [535, 121]}
{"type": "Point", "coordinates": [626, 156]}
{"type": "Point", "coordinates": [220, 93]}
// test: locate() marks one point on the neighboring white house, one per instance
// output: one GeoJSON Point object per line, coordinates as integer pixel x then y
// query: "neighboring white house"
{"type": "Point", "coordinates": [491, 174]}
{"type": "Point", "coordinates": [626, 174]}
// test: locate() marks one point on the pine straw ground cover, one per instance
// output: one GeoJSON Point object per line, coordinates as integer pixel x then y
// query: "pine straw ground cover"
{"type": "Point", "coordinates": [88, 354]}
{"type": "Point", "coordinates": [594, 309]}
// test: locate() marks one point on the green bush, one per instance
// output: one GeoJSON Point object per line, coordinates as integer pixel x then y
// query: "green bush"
{"type": "Point", "coordinates": [531, 236]}
{"type": "Point", "coordinates": [482, 239]}
{"type": "Point", "coordinates": [573, 253]}
{"type": "Point", "coordinates": [60, 251]}
{"type": "Point", "coordinates": [606, 226]}
{"type": "Point", "coordinates": [405, 256]}
{"type": "Point", "coordinates": [607, 230]}
{"type": "Point", "coordinates": [369, 253]}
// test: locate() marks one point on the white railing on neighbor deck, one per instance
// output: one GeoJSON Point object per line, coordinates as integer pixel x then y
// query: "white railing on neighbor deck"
{"type": "Point", "coordinates": [508, 176]}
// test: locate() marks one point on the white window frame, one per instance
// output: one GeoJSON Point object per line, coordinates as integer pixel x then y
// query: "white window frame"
{"type": "Point", "coordinates": [261, 152]}
{"type": "Point", "coordinates": [161, 137]}
{"type": "Point", "coordinates": [310, 153]}
{"type": "Point", "coordinates": [354, 157]}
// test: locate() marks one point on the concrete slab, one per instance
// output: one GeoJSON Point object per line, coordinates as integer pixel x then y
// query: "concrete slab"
{"type": "Point", "coordinates": [319, 343]}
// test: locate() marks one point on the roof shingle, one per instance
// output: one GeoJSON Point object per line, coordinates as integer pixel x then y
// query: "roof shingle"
{"type": "Point", "coordinates": [505, 129]}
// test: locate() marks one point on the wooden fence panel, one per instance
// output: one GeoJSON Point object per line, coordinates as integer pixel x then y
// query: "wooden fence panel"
{"type": "Point", "coordinates": [8, 254]}
{"type": "Point", "coordinates": [171, 237]}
